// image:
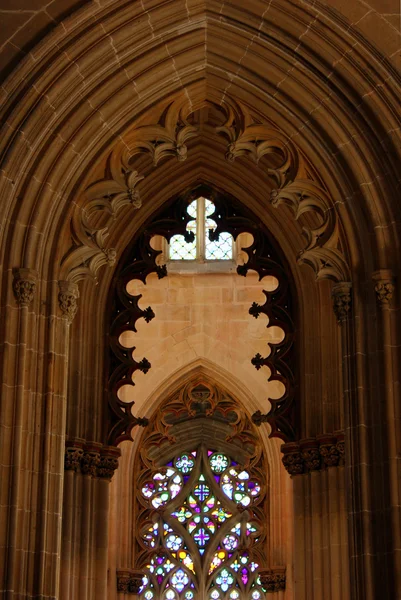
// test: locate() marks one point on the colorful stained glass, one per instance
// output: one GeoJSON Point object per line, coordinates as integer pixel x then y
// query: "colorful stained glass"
{"type": "Point", "coordinates": [179, 580]}
{"type": "Point", "coordinates": [185, 463]}
{"type": "Point", "coordinates": [200, 515]}
{"type": "Point", "coordinates": [174, 542]}
{"type": "Point", "coordinates": [225, 579]}
{"type": "Point", "coordinates": [230, 542]}
{"type": "Point", "coordinates": [218, 463]}
{"type": "Point", "coordinates": [201, 537]}
{"type": "Point", "coordinates": [217, 560]}
{"type": "Point", "coordinates": [201, 491]}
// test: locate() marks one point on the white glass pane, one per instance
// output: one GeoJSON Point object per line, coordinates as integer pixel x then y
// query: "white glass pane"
{"type": "Point", "coordinates": [182, 250]}
{"type": "Point", "coordinates": [220, 250]}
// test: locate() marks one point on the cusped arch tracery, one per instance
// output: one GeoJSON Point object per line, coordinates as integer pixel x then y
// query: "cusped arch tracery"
{"type": "Point", "coordinates": [263, 256]}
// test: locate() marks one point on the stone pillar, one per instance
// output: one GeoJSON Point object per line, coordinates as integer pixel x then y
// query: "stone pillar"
{"type": "Point", "coordinates": [34, 370]}
{"type": "Point", "coordinates": [320, 519]}
{"type": "Point", "coordinates": [89, 469]}
{"type": "Point", "coordinates": [388, 317]}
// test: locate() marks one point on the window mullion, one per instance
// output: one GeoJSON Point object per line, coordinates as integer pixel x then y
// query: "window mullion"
{"type": "Point", "coordinates": [200, 229]}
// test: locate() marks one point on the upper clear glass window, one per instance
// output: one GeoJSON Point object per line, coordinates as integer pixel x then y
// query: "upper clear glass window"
{"type": "Point", "coordinates": [202, 248]}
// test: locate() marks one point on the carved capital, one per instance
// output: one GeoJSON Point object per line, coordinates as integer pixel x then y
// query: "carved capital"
{"type": "Point", "coordinates": [310, 454]}
{"type": "Point", "coordinates": [328, 450]}
{"type": "Point", "coordinates": [129, 581]}
{"type": "Point", "coordinates": [384, 287]}
{"type": "Point", "coordinates": [24, 285]}
{"type": "Point", "coordinates": [292, 459]}
{"type": "Point", "coordinates": [314, 454]}
{"type": "Point", "coordinates": [91, 459]}
{"type": "Point", "coordinates": [108, 463]}
{"type": "Point", "coordinates": [272, 580]}
{"type": "Point", "coordinates": [342, 296]}
{"type": "Point", "coordinates": [73, 455]}
{"type": "Point", "coordinates": [67, 299]}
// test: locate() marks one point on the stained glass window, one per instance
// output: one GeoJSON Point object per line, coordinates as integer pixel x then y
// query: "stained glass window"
{"type": "Point", "coordinates": [202, 248]}
{"type": "Point", "coordinates": [200, 531]}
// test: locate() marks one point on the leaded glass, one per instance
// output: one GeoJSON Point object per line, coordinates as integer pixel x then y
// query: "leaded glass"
{"type": "Point", "coordinates": [194, 497]}
{"type": "Point", "coordinates": [202, 247]}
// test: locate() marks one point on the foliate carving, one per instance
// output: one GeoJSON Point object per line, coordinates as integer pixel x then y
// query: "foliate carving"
{"type": "Point", "coordinates": [118, 188]}
{"type": "Point", "coordinates": [310, 454]}
{"type": "Point", "coordinates": [24, 285]}
{"type": "Point", "coordinates": [73, 456]}
{"type": "Point", "coordinates": [314, 454]}
{"type": "Point", "coordinates": [92, 459]}
{"type": "Point", "coordinates": [384, 287]}
{"type": "Point", "coordinates": [342, 297]}
{"type": "Point", "coordinates": [292, 459]}
{"type": "Point", "coordinates": [273, 580]}
{"type": "Point", "coordinates": [129, 581]}
{"type": "Point", "coordinates": [67, 299]}
{"type": "Point", "coordinates": [297, 187]}
{"type": "Point", "coordinates": [108, 463]}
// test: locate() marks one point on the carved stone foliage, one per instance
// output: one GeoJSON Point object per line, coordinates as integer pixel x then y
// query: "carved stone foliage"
{"type": "Point", "coordinates": [118, 188]}
{"type": "Point", "coordinates": [297, 187]}
{"type": "Point", "coordinates": [384, 287]}
{"type": "Point", "coordinates": [24, 285]}
{"type": "Point", "coordinates": [314, 454]}
{"type": "Point", "coordinates": [67, 299]}
{"type": "Point", "coordinates": [140, 260]}
{"type": "Point", "coordinates": [92, 459]}
{"type": "Point", "coordinates": [129, 581]}
{"type": "Point", "coordinates": [342, 298]}
{"type": "Point", "coordinates": [273, 580]}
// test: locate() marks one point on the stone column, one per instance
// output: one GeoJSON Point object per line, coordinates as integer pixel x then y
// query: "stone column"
{"type": "Point", "coordinates": [89, 470]}
{"type": "Point", "coordinates": [388, 316]}
{"type": "Point", "coordinates": [16, 380]}
{"type": "Point", "coordinates": [320, 519]}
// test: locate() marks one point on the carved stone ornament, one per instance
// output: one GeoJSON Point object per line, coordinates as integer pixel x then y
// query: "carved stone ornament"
{"type": "Point", "coordinates": [384, 287]}
{"type": "Point", "coordinates": [108, 463]}
{"type": "Point", "coordinates": [129, 581]}
{"type": "Point", "coordinates": [342, 297]}
{"type": "Point", "coordinates": [24, 285]}
{"type": "Point", "coordinates": [310, 454]}
{"type": "Point", "coordinates": [67, 299]}
{"type": "Point", "coordinates": [273, 580]}
{"type": "Point", "coordinates": [314, 454]}
{"type": "Point", "coordinates": [118, 188]}
{"type": "Point", "coordinates": [292, 459]}
{"type": "Point", "coordinates": [92, 458]}
{"type": "Point", "coordinates": [298, 186]}
{"type": "Point", "coordinates": [73, 455]}
{"type": "Point", "coordinates": [141, 259]}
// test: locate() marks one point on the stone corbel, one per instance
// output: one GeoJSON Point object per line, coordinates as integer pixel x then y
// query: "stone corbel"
{"type": "Point", "coordinates": [314, 454]}
{"type": "Point", "coordinates": [342, 301]}
{"type": "Point", "coordinates": [384, 287]}
{"type": "Point", "coordinates": [273, 580]}
{"type": "Point", "coordinates": [24, 285]}
{"type": "Point", "coordinates": [129, 581]}
{"type": "Point", "coordinates": [67, 299]}
{"type": "Point", "coordinates": [94, 459]}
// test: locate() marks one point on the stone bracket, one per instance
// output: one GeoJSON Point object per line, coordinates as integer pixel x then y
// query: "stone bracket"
{"type": "Point", "coordinates": [91, 458]}
{"type": "Point", "coordinates": [314, 454]}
